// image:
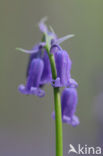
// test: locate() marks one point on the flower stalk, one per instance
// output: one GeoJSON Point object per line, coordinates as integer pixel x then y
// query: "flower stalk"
{"type": "Point", "coordinates": [57, 104]}
{"type": "Point", "coordinates": [58, 122]}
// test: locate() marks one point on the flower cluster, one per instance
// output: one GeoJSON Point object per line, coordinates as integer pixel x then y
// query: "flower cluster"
{"type": "Point", "coordinates": [39, 72]}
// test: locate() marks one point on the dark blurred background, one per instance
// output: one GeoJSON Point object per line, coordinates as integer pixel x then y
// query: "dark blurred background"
{"type": "Point", "coordinates": [26, 127]}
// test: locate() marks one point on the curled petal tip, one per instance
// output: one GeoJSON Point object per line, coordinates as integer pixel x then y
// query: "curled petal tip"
{"type": "Point", "coordinates": [21, 89]}
{"type": "Point", "coordinates": [74, 121]}
{"type": "Point", "coordinates": [33, 91]}
{"type": "Point", "coordinates": [72, 83]}
{"type": "Point", "coordinates": [37, 92]}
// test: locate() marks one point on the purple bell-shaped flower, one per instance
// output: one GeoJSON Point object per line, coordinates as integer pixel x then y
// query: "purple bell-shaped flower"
{"type": "Point", "coordinates": [46, 75]}
{"type": "Point", "coordinates": [38, 51]}
{"type": "Point", "coordinates": [34, 55]}
{"type": "Point", "coordinates": [33, 79]}
{"type": "Point", "coordinates": [63, 68]}
{"type": "Point", "coordinates": [69, 102]}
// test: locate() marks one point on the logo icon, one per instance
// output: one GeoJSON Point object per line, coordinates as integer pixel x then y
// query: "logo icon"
{"type": "Point", "coordinates": [72, 149]}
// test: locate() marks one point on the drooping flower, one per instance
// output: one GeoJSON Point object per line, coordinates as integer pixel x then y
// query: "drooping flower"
{"type": "Point", "coordinates": [46, 75]}
{"type": "Point", "coordinates": [63, 68]}
{"type": "Point", "coordinates": [38, 51]}
{"type": "Point", "coordinates": [69, 102]}
{"type": "Point", "coordinates": [34, 55]}
{"type": "Point", "coordinates": [33, 79]}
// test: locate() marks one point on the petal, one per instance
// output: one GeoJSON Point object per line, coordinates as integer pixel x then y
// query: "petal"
{"type": "Point", "coordinates": [33, 91]}
{"type": "Point", "coordinates": [74, 121]}
{"type": "Point", "coordinates": [31, 57]}
{"type": "Point", "coordinates": [54, 48]}
{"type": "Point", "coordinates": [69, 102]}
{"type": "Point", "coordinates": [46, 75]}
{"type": "Point", "coordinates": [63, 66]}
{"type": "Point", "coordinates": [35, 55]}
{"type": "Point", "coordinates": [35, 73]}
{"type": "Point", "coordinates": [22, 89]}
{"type": "Point", "coordinates": [72, 83]}
{"type": "Point", "coordinates": [37, 91]}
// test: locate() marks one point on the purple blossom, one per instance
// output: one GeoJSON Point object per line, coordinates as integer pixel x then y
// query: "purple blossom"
{"type": "Point", "coordinates": [46, 75]}
{"type": "Point", "coordinates": [63, 67]}
{"type": "Point", "coordinates": [38, 48]}
{"type": "Point", "coordinates": [33, 79]}
{"type": "Point", "coordinates": [31, 57]}
{"type": "Point", "coordinates": [69, 102]}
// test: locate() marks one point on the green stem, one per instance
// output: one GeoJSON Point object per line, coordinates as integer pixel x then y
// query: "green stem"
{"type": "Point", "coordinates": [57, 102]}
{"type": "Point", "coordinates": [58, 123]}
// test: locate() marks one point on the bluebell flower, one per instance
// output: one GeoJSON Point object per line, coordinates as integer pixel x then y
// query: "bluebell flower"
{"type": "Point", "coordinates": [37, 54]}
{"type": "Point", "coordinates": [38, 51]}
{"type": "Point", "coordinates": [63, 68]}
{"type": "Point", "coordinates": [47, 74]}
{"type": "Point", "coordinates": [33, 79]}
{"type": "Point", "coordinates": [69, 100]}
